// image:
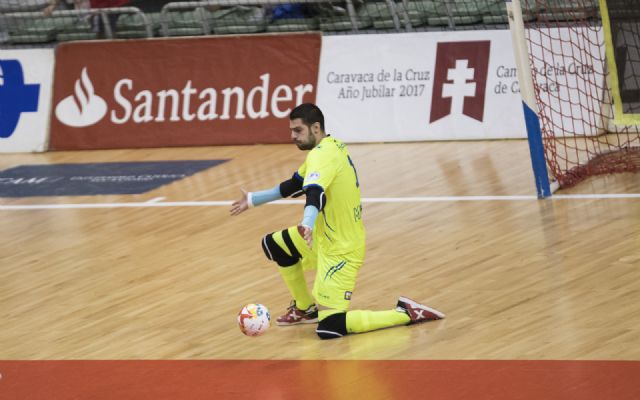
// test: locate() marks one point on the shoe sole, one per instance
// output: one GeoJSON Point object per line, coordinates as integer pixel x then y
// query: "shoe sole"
{"type": "Point", "coordinates": [306, 321]}
{"type": "Point", "coordinates": [414, 304]}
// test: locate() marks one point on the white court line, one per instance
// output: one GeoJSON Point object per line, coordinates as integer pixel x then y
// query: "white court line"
{"type": "Point", "coordinates": [157, 201]}
{"type": "Point", "coordinates": [598, 196]}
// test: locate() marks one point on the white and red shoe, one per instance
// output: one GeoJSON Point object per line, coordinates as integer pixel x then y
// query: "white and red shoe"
{"type": "Point", "coordinates": [295, 316]}
{"type": "Point", "coordinates": [418, 312]}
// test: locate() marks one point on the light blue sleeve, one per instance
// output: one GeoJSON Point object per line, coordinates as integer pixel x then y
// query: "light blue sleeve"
{"type": "Point", "coordinates": [310, 215]}
{"type": "Point", "coordinates": [264, 196]}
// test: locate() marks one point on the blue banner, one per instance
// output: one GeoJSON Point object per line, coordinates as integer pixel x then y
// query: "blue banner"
{"type": "Point", "coordinates": [96, 178]}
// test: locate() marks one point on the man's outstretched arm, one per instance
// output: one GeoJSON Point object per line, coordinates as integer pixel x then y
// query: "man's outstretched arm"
{"type": "Point", "coordinates": [290, 187]}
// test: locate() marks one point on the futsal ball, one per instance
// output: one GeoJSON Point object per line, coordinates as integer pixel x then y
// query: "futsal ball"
{"type": "Point", "coordinates": [254, 319]}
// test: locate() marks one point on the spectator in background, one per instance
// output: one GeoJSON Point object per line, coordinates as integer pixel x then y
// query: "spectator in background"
{"type": "Point", "coordinates": [78, 4]}
{"type": "Point", "coordinates": [112, 18]}
{"type": "Point", "coordinates": [96, 20]}
{"type": "Point", "coordinates": [288, 11]}
{"type": "Point", "coordinates": [311, 10]}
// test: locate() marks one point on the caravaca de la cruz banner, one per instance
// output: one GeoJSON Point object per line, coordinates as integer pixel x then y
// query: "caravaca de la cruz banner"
{"type": "Point", "coordinates": [181, 92]}
{"type": "Point", "coordinates": [421, 86]}
{"type": "Point", "coordinates": [438, 85]}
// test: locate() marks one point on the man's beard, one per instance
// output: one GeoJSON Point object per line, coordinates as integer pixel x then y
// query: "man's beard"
{"type": "Point", "coordinates": [306, 145]}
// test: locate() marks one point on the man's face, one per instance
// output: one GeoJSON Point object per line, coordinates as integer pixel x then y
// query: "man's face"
{"type": "Point", "coordinates": [302, 134]}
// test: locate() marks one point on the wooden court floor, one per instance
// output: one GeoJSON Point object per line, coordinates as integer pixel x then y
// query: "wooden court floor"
{"type": "Point", "coordinates": [135, 297]}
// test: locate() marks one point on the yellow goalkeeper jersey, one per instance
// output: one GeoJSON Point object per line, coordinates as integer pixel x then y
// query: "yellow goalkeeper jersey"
{"type": "Point", "coordinates": [338, 228]}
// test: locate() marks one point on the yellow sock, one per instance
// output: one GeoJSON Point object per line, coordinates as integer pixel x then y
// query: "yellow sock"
{"type": "Point", "coordinates": [294, 279]}
{"type": "Point", "coordinates": [359, 321]}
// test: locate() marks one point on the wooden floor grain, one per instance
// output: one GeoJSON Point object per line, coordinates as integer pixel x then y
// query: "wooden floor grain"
{"type": "Point", "coordinates": [521, 279]}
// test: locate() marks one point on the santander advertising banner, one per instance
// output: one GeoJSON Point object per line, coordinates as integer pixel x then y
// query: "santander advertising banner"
{"type": "Point", "coordinates": [181, 92]}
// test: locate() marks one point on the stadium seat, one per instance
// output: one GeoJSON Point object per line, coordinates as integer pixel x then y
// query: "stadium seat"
{"type": "Point", "coordinates": [310, 17]}
{"type": "Point", "coordinates": [495, 13]}
{"type": "Point", "coordinates": [36, 30]}
{"type": "Point", "coordinates": [419, 11]}
{"type": "Point", "coordinates": [133, 26]}
{"type": "Point", "coordinates": [74, 28]}
{"type": "Point", "coordinates": [567, 10]}
{"type": "Point", "coordinates": [238, 19]}
{"type": "Point", "coordinates": [458, 12]}
{"type": "Point", "coordinates": [413, 11]}
{"type": "Point", "coordinates": [293, 25]}
{"type": "Point", "coordinates": [429, 8]}
{"type": "Point", "coordinates": [9, 6]}
{"type": "Point", "coordinates": [380, 14]}
{"type": "Point", "coordinates": [337, 19]}
{"type": "Point", "coordinates": [185, 23]}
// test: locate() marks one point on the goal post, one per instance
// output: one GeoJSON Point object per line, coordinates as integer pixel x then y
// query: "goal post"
{"type": "Point", "coordinates": [579, 67]}
{"type": "Point", "coordinates": [532, 123]}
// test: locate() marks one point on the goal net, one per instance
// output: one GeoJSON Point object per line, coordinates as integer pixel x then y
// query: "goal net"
{"type": "Point", "coordinates": [584, 57]}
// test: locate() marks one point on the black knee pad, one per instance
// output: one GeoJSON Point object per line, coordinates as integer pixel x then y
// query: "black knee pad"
{"type": "Point", "coordinates": [334, 326]}
{"type": "Point", "coordinates": [276, 253]}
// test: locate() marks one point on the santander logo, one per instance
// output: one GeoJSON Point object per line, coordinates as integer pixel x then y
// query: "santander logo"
{"type": "Point", "coordinates": [84, 107]}
{"type": "Point", "coordinates": [134, 103]}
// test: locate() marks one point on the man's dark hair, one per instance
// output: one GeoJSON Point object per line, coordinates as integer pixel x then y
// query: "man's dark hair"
{"type": "Point", "coordinates": [309, 114]}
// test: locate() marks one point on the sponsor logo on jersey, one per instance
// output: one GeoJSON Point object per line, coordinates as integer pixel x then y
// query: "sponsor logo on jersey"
{"type": "Point", "coordinates": [312, 177]}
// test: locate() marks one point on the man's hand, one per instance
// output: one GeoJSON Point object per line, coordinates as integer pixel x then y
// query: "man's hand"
{"type": "Point", "coordinates": [306, 233]}
{"type": "Point", "coordinates": [241, 205]}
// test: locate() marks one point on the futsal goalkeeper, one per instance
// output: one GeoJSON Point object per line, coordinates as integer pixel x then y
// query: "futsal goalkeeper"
{"type": "Point", "coordinates": [330, 238]}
